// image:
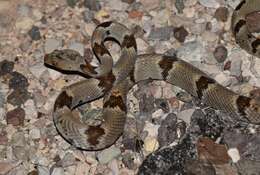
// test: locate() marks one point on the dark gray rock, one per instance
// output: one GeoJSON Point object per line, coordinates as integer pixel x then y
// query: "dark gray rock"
{"type": "Point", "coordinates": [162, 104]}
{"type": "Point", "coordinates": [248, 167]}
{"type": "Point", "coordinates": [180, 34]}
{"type": "Point", "coordinates": [6, 67]}
{"type": "Point", "coordinates": [92, 5]}
{"type": "Point", "coordinates": [88, 15]}
{"type": "Point", "coordinates": [18, 81]}
{"type": "Point", "coordinates": [179, 4]}
{"type": "Point", "coordinates": [72, 3]}
{"type": "Point", "coordinates": [34, 33]}
{"type": "Point", "coordinates": [167, 132]}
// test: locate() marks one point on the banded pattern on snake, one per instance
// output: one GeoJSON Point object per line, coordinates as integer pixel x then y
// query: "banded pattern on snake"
{"type": "Point", "coordinates": [114, 81]}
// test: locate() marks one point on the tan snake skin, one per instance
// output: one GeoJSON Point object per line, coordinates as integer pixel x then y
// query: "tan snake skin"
{"type": "Point", "coordinates": [114, 82]}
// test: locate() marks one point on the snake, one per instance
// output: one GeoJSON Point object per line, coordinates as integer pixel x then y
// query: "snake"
{"type": "Point", "coordinates": [112, 81]}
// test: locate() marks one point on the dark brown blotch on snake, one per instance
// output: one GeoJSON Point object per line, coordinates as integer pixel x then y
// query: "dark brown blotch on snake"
{"type": "Point", "coordinates": [242, 104]}
{"type": "Point", "coordinates": [63, 100]}
{"type": "Point", "coordinates": [93, 134]}
{"type": "Point", "coordinates": [202, 84]}
{"type": "Point", "coordinates": [166, 64]}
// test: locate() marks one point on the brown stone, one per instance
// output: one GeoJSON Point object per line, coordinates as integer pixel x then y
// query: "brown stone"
{"type": "Point", "coordinates": [221, 14]}
{"type": "Point", "coordinates": [212, 152]}
{"type": "Point", "coordinates": [220, 53]}
{"type": "Point", "coordinates": [15, 117]}
{"type": "Point", "coordinates": [135, 14]}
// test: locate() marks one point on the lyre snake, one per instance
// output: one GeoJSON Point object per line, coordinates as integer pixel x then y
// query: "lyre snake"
{"type": "Point", "coordinates": [114, 81]}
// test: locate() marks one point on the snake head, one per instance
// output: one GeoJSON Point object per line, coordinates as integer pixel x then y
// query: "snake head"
{"type": "Point", "coordinates": [64, 60]}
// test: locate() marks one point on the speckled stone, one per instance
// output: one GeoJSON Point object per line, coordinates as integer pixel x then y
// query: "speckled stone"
{"type": "Point", "coordinates": [170, 160]}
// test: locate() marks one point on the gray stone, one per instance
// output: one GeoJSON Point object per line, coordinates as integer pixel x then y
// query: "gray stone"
{"type": "Point", "coordinates": [52, 44]}
{"type": "Point", "coordinates": [161, 33]}
{"type": "Point", "coordinates": [233, 3]}
{"type": "Point", "coordinates": [42, 170]}
{"type": "Point", "coordinates": [179, 5]}
{"type": "Point", "coordinates": [92, 4]}
{"type": "Point", "coordinates": [88, 15]}
{"type": "Point", "coordinates": [58, 171]}
{"type": "Point", "coordinates": [18, 81]}
{"type": "Point", "coordinates": [24, 10]}
{"type": "Point", "coordinates": [235, 68]}
{"type": "Point", "coordinates": [209, 3]}
{"type": "Point", "coordinates": [191, 51]}
{"type": "Point", "coordinates": [117, 5]}
{"type": "Point", "coordinates": [78, 47]}
{"type": "Point", "coordinates": [18, 139]}
{"type": "Point", "coordinates": [186, 115]}
{"type": "Point", "coordinates": [248, 167]}
{"type": "Point", "coordinates": [109, 154]}
{"type": "Point", "coordinates": [34, 33]}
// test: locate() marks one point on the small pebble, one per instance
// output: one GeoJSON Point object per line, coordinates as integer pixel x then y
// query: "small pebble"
{"type": "Point", "coordinates": [221, 14]}
{"type": "Point", "coordinates": [58, 171]}
{"type": "Point", "coordinates": [252, 21]}
{"type": "Point", "coordinates": [180, 34]}
{"type": "Point", "coordinates": [161, 33]}
{"type": "Point", "coordinates": [109, 154]}
{"type": "Point", "coordinates": [92, 5]}
{"type": "Point", "coordinates": [18, 97]}
{"type": "Point", "coordinates": [209, 3]}
{"type": "Point", "coordinates": [186, 115]}
{"type": "Point", "coordinates": [179, 4]}
{"type": "Point", "coordinates": [52, 44]}
{"type": "Point", "coordinates": [79, 47]}
{"type": "Point", "coordinates": [220, 53]}
{"type": "Point", "coordinates": [150, 4]}
{"type": "Point", "coordinates": [72, 3]}
{"type": "Point", "coordinates": [151, 144]}
{"type": "Point", "coordinates": [35, 133]}
{"type": "Point", "coordinates": [24, 24]}
{"type": "Point", "coordinates": [234, 154]}
{"type": "Point", "coordinates": [3, 138]}
{"type": "Point", "coordinates": [128, 1]}
{"type": "Point", "coordinates": [15, 117]}
{"type": "Point", "coordinates": [34, 33]}
{"type": "Point", "coordinates": [6, 67]}
{"type": "Point", "coordinates": [24, 9]}
{"type": "Point", "coordinates": [42, 170]}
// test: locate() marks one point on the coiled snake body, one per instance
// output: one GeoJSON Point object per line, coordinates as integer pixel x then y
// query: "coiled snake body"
{"type": "Point", "coordinates": [114, 82]}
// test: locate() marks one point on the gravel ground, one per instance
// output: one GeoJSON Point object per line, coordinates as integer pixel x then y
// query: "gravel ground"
{"type": "Point", "coordinates": [168, 132]}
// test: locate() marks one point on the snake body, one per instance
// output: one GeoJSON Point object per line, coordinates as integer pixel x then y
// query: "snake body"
{"type": "Point", "coordinates": [114, 81]}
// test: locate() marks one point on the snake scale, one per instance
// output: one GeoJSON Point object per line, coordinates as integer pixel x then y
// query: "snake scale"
{"type": "Point", "coordinates": [113, 81]}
